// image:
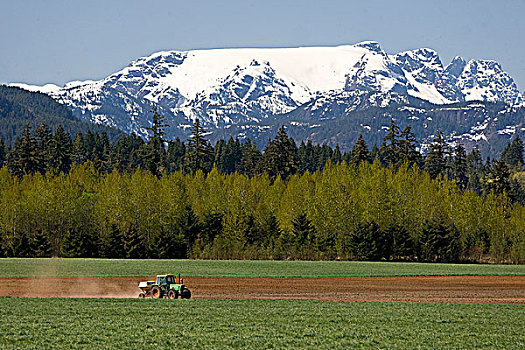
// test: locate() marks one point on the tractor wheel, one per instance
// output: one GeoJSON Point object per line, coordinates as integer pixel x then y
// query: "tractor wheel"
{"type": "Point", "coordinates": [142, 295]}
{"type": "Point", "coordinates": [185, 294]}
{"type": "Point", "coordinates": [172, 294]}
{"type": "Point", "coordinates": [156, 293]}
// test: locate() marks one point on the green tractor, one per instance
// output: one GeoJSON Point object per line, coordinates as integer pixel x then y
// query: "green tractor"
{"type": "Point", "coordinates": [166, 286]}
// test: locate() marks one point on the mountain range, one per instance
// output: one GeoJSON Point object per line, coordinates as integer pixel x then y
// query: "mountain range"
{"type": "Point", "coordinates": [323, 94]}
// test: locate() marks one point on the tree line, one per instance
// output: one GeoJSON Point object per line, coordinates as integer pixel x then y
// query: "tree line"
{"type": "Point", "coordinates": [43, 152]}
{"type": "Point", "coordinates": [86, 197]}
{"type": "Point", "coordinates": [365, 212]}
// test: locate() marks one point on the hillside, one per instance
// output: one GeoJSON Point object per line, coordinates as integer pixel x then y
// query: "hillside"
{"type": "Point", "coordinates": [338, 120]}
{"type": "Point", "coordinates": [18, 107]}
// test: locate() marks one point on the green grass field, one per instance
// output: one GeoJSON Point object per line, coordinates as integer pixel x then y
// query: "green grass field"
{"type": "Point", "coordinates": [215, 268]}
{"type": "Point", "coordinates": [197, 324]}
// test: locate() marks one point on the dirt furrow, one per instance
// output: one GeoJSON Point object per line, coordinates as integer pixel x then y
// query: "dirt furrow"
{"type": "Point", "coordinates": [454, 289]}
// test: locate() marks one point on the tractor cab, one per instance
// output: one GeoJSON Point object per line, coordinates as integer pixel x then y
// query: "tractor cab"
{"type": "Point", "coordinates": [165, 280]}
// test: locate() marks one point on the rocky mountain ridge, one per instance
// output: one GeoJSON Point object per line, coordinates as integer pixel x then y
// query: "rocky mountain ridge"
{"type": "Point", "coordinates": [231, 89]}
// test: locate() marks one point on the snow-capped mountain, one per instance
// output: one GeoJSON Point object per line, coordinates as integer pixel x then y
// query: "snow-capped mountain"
{"type": "Point", "coordinates": [227, 87]}
{"type": "Point", "coordinates": [248, 93]}
{"type": "Point", "coordinates": [375, 71]}
{"type": "Point", "coordinates": [485, 80]}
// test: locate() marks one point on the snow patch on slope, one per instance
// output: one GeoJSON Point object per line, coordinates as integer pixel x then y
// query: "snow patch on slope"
{"type": "Point", "coordinates": [425, 91]}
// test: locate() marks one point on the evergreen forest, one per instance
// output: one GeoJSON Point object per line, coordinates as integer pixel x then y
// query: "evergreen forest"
{"type": "Point", "coordinates": [19, 107]}
{"type": "Point", "coordinates": [84, 196]}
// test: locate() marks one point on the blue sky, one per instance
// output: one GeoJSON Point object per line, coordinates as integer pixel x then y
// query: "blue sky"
{"type": "Point", "coordinates": [56, 41]}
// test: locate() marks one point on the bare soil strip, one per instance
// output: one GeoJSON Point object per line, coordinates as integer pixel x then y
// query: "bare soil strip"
{"type": "Point", "coordinates": [449, 289]}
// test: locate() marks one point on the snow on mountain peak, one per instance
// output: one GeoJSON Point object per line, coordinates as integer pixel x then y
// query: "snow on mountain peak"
{"type": "Point", "coordinates": [485, 80]}
{"type": "Point", "coordinates": [232, 85]}
{"type": "Point", "coordinates": [370, 45]}
{"type": "Point", "coordinates": [417, 59]}
{"type": "Point", "coordinates": [375, 71]}
{"type": "Point", "coordinates": [45, 89]}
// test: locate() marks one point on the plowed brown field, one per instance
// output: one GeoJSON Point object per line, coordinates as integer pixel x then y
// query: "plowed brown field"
{"type": "Point", "coordinates": [455, 289]}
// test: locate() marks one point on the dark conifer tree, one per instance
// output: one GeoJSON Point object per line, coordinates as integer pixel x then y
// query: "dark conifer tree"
{"type": "Point", "coordinates": [39, 245]}
{"type": "Point", "coordinates": [127, 152]}
{"type": "Point", "coordinates": [23, 159]}
{"type": "Point", "coordinates": [114, 248]}
{"type": "Point", "coordinates": [516, 192]}
{"type": "Point", "coordinates": [459, 167]}
{"type": "Point", "coordinates": [251, 158]}
{"type": "Point", "coordinates": [154, 154]}
{"type": "Point", "coordinates": [360, 151]}
{"type": "Point", "coordinates": [270, 230]}
{"type": "Point", "coordinates": [323, 154]}
{"type": "Point", "coordinates": [43, 138]}
{"type": "Point", "coordinates": [80, 243]}
{"type": "Point", "coordinates": [234, 155]}
{"type": "Point", "coordinates": [20, 246]}
{"type": "Point", "coordinates": [302, 229]}
{"type": "Point", "coordinates": [363, 243]}
{"type": "Point", "coordinates": [199, 155]}
{"type": "Point", "coordinates": [336, 157]}
{"type": "Point", "coordinates": [304, 235]}
{"type": "Point", "coordinates": [439, 242]}
{"type": "Point", "coordinates": [301, 155]}
{"type": "Point", "coordinates": [401, 242]}
{"type": "Point", "coordinates": [427, 242]}
{"type": "Point", "coordinates": [280, 156]}
{"type": "Point", "coordinates": [60, 151]}
{"type": "Point", "coordinates": [306, 156]}
{"type": "Point", "coordinates": [513, 153]}
{"type": "Point", "coordinates": [374, 154]}
{"type": "Point", "coordinates": [175, 155]}
{"type": "Point", "coordinates": [219, 151]}
{"type": "Point", "coordinates": [190, 229]}
{"type": "Point", "coordinates": [252, 233]}
{"type": "Point", "coordinates": [3, 152]}
{"type": "Point", "coordinates": [107, 160]}
{"type": "Point", "coordinates": [79, 155]}
{"type": "Point", "coordinates": [134, 245]}
{"type": "Point", "coordinates": [98, 150]}
{"type": "Point", "coordinates": [228, 156]}
{"type": "Point", "coordinates": [487, 166]}
{"type": "Point", "coordinates": [436, 159]}
{"type": "Point", "coordinates": [474, 160]}
{"type": "Point", "coordinates": [407, 148]}
{"type": "Point", "coordinates": [319, 158]}
{"type": "Point", "coordinates": [211, 227]}
{"type": "Point", "coordinates": [389, 151]}
{"type": "Point", "coordinates": [474, 169]}
{"type": "Point", "coordinates": [158, 124]}
{"type": "Point", "coordinates": [313, 156]}
{"type": "Point", "coordinates": [498, 179]}
{"type": "Point", "coordinates": [92, 146]}
{"type": "Point", "coordinates": [451, 250]}
{"type": "Point", "coordinates": [167, 245]}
